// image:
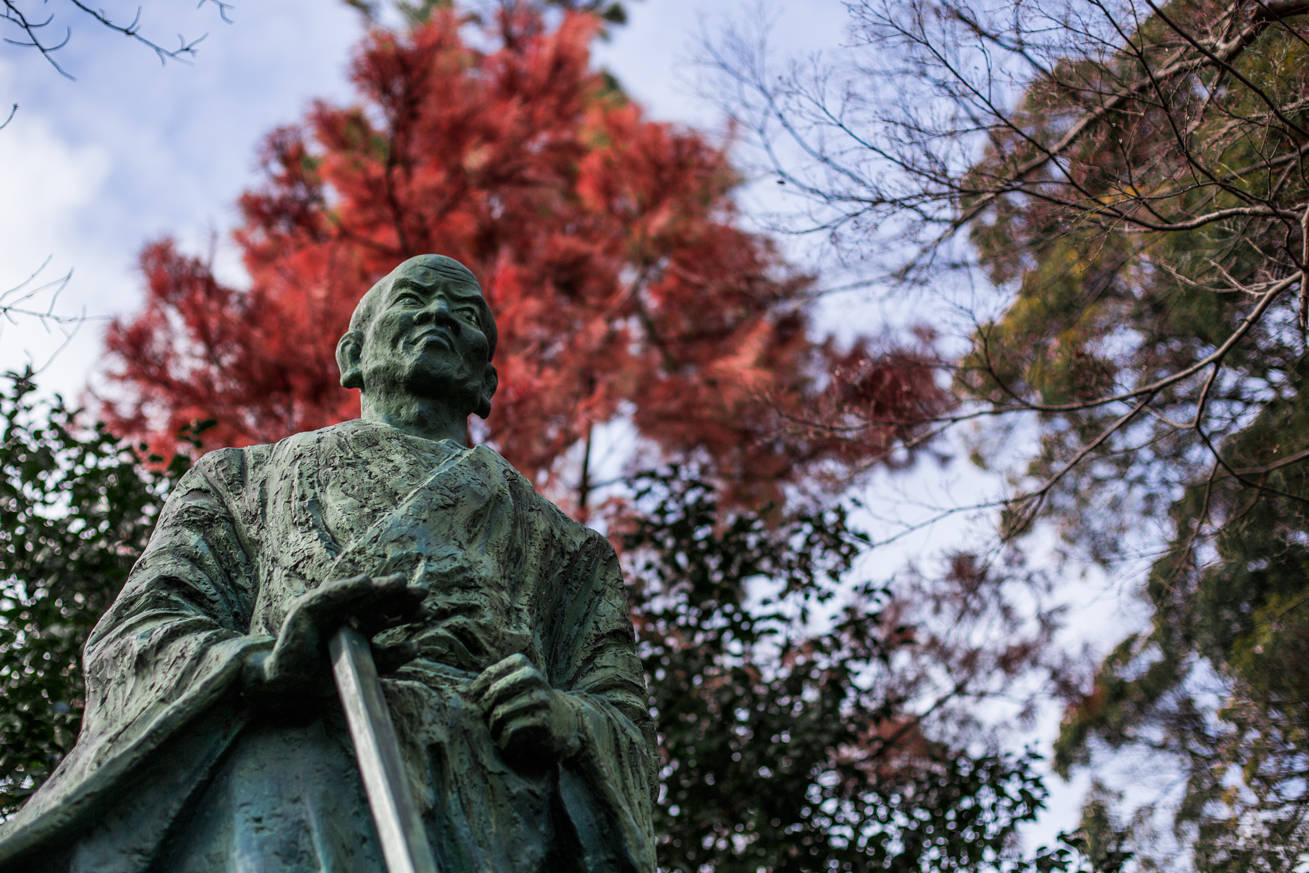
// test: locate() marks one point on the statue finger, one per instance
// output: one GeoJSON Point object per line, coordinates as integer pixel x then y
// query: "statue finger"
{"type": "Point", "coordinates": [364, 600]}
{"type": "Point", "coordinates": [496, 671]}
{"type": "Point", "coordinates": [406, 604]}
{"type": "Point", "coordinates": [394, 588]}
{"type": "Point", "coordinates": [508, 710]}
{"type": "Point", "coordinates": [403, 601]}
{"type": "Point", "coordinates": [335, 595]}
{"type": "Point", "coordinates": [522, 680]}
{"type": "Point", "coordinates": [532, 708]}
{"type": "Point", "coordinates": [355, 588]}
{"type": "Point", "coordinates": [296, 671]}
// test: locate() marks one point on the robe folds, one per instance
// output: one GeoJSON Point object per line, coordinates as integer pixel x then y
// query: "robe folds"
{"type": "Point", "coordinates": [175, 771]}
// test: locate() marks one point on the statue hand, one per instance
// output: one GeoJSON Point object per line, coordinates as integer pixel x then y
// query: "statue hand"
{"type": "Point", "coordinates": [298, 663]}
{"type": "Point", "coordinates": [526, 716]}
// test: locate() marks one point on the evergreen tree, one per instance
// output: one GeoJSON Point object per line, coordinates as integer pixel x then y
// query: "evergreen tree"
{"type": "Point", "coordinates": [76, 509]}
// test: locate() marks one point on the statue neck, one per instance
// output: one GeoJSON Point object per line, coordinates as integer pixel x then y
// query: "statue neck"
{"type": "Point", "coordinates": [417, 416]}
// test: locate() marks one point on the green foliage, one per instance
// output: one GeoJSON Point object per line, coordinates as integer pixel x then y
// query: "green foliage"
{"type": "Point", "coordinates": [76, 508]}
{"type": "Point", "coordinates": [781, 751]}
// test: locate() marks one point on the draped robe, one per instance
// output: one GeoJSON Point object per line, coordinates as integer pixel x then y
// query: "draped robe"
{"type": "Point", "coordinates": [174, 770]}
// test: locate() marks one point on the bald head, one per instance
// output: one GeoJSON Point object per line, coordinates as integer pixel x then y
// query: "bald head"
{"type": "Point", "coordinates": [426, 271]}
{"type": "Point", "coordinates": [419, 347]}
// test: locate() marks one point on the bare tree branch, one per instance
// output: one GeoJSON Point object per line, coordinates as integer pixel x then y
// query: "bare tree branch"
{"type": "Point", "coordinates": [33, 30]}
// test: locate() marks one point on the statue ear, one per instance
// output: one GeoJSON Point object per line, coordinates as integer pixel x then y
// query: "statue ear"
{"type": "Point", "coordinates": [490, 380]}
{"type": "Point", "coordinates": [348, 351]}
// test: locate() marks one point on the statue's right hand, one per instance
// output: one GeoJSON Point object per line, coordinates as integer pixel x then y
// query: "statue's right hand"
{"type": "Point", "coordinates": [298, 663]}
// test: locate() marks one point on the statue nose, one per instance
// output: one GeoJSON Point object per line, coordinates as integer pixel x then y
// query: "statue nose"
{"type": "Point", "coordinates": [439, 310]}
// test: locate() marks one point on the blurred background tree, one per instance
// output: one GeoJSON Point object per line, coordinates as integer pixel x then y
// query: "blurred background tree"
{"type": "Point", "coordinates": [1127, 181]}
{"type": "Point", "coordinates": [609, 246]}
{"type": "Point", "coordinates": [790, 750]}
{"type": "Point", "coordinates": [76, 508]}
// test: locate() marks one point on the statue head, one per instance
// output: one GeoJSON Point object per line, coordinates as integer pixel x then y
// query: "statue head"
{"type": "Point", "coordinates": [423, 332]}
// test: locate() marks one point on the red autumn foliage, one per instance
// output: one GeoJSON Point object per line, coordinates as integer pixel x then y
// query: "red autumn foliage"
{"type": "Point", "coordinates": [608, 246]}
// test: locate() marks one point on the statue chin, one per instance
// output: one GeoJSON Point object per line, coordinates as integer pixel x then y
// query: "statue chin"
{"type": "Point", "coordinates": [433, 374]}
{"type": "Point", "coordinates": [420, 394]}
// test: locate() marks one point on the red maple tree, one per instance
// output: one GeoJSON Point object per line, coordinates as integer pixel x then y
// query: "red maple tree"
{"type": "Point", "coordinates": [608, 246]}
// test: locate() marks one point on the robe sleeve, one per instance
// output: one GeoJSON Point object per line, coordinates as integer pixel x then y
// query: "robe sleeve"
{"type": "Point", "coordinates": [179, 627]}
{"type": "Point", "coordinates": [170, 646]}
{"type": "Point", "coordinates": [607, 784]}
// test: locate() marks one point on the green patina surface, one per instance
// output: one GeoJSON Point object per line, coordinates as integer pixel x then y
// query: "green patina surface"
{"type": "Point", "coordinates": [211, 739]}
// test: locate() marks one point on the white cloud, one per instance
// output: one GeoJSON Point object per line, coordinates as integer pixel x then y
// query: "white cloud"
{"type": "Point", "coordinates": [49, 189]}
{"type": "Point", "coordinates": [46, 185]}
{"type": "Point", "coordinates": [91, 170]}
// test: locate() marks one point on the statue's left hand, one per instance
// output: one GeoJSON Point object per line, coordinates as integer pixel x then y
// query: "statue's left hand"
{"type": "Point", "coordinates": [526, 716]}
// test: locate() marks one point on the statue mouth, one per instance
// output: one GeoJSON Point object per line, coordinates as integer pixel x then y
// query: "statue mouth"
{"type": "Point", "coordinates": [438, 335]}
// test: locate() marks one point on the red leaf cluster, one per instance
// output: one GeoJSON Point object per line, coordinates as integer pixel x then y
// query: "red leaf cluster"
{"type": "Point", "coordinates": [608, 246]}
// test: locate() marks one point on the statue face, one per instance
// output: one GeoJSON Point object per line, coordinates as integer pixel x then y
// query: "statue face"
{"type": "Point", "coordinates": [425, 339]}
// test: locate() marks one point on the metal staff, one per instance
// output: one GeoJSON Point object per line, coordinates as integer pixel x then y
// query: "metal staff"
{"type": "Point", "coordinates": [400, 827]}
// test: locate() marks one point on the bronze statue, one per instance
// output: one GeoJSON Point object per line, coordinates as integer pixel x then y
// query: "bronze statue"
{"type": "Point", "coordinates": [213, 740]}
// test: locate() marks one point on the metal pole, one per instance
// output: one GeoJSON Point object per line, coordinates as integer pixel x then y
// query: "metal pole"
{"type": "Point", "coordinates": [399, 826]}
